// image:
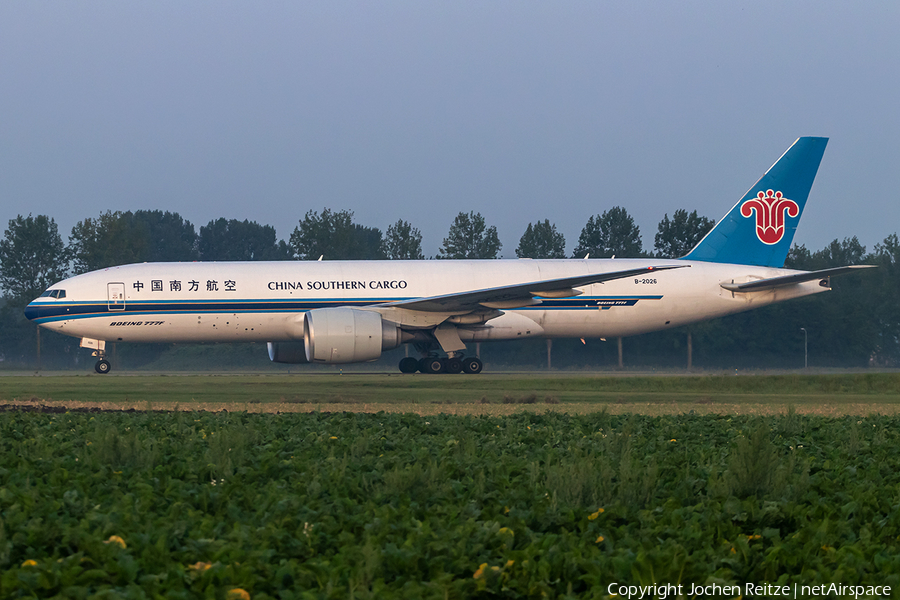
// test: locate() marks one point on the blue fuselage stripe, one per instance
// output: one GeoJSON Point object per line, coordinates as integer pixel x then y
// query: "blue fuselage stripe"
{"type": "Point", "coordinates": [47, 312]}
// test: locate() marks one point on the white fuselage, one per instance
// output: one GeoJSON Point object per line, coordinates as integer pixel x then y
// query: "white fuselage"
{"type": "Point", "coordinates": [265, 301]}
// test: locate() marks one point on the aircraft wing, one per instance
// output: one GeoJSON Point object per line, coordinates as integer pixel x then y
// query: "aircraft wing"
{"type": "Point", "coordinates": [774, 282]}
{"type": "Point", "coordinates": [517, 295]}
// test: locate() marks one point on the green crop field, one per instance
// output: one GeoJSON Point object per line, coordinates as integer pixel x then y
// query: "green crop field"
{"type": "Point", "coordinates": [352, 505]}
{"type": "Point", "coordinates": [503, 486]}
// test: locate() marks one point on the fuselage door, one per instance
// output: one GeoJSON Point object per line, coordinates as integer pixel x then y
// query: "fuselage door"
{"type": "Point", "coordinates": [116, 295]}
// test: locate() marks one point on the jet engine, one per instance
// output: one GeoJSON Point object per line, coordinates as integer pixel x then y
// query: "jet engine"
{"type": "Point", "coordinates": [346, 335]}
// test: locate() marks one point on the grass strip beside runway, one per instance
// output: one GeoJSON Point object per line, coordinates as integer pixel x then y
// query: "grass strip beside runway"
{"type": "Point", "coordinates": [876, 393]}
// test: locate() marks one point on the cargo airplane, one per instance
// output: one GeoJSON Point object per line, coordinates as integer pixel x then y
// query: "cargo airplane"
{"type": "Point", "coordinates": [351, 311]}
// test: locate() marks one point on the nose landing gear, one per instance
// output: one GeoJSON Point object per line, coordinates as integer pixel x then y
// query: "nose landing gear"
{"type": "Point", "coordinates": [99, 346]}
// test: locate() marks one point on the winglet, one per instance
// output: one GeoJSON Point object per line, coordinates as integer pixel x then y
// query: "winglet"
{"type": "Point", "coordinates": [759, 229]}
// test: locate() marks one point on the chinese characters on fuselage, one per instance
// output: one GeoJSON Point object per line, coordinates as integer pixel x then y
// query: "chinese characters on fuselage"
{"type": "Point", "coordinates": [212, 285]}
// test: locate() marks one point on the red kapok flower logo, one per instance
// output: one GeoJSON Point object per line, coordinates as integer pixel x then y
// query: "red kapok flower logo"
{"type": "Point", "coordinates": [770, 208]}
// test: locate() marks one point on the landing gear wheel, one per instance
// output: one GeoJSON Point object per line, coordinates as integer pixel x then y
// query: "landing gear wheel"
{"type": "Point", "coordinates": [453, 365]}
{"type": "Point", "coordinates": [472, 366]}
{"type": "Point", "coordinates": [103, 367]}
{"type": "Point", "coordinates": [409, 365]}
{"type": "Point", "coordinates": [431, 365]}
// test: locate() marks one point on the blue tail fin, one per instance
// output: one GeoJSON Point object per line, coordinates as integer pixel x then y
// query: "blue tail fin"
{"type": "Point", "coordinates": [759, 229]}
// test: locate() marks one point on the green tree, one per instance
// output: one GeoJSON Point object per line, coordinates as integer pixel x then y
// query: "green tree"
{"type": "Point", "coordinates": [880, 290]}
{"type": "Point", "coordinates": [799, 257]}
{"type": "Point", "coordinates": [335, 236]}
{"type": "Point", "coordinates": [120, 238]}
{"type": "Point", "coordinates": [614, 233]}
{"type": "Point", "coordinates": [223, 239]}
{"type": "Point", "coordinates": [403, 242]}
{"type": "Point", "coordinates": [836, 254]}
{"type": "Point", "coordinates": [170, 238]}
{"type": "Point", "coordinates": [541, 240]}
{"type": "Point", "coordinates": [678, 236]}
{"type": "Point", "coordinates": [470, 238]}
{"type": "Point", "coordinates": [105, 241]}
{"type": "Point", "coordinates": [32, 257]}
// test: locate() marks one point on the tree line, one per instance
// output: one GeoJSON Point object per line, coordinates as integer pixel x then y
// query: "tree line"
{"type": "Point", "coordinates": [858, 326]}
{"type": "Point", "coordinates": [33, 255]}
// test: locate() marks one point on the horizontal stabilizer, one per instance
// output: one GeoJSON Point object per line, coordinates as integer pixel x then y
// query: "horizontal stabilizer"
{"type": "Point", "coordinates": [774, 282]}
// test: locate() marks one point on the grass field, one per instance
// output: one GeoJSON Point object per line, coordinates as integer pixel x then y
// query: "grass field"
{"type": "Point", "coordinates": [492, 394]}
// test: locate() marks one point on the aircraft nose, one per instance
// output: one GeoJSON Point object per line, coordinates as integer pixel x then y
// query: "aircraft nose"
{"type": "Point", "coordinates": [32, 311]}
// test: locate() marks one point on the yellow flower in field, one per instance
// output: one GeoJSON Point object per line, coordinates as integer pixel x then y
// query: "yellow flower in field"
{"type": "Point", "coordinates": [334, 437]}
{"type": "Point", "coordinates": [733, 551]}
{"type": "Point", "coordinates": [593, 516]}
{"type": "Point", "coordinates": [509, 563]}
{"type": "Point", "coordinates": [114, 539]}
{"type": "Point", "coordinates": [480, 572]}
{"type": "Point", "coordinates": [238, 594]}
{"type": "Point", "coordinates": [505, 530]}
{"type": "Point", "coordinates": [599, 539]}
{"type": "Point", "coordinates": [29, 563]}
{"type": "Point", "coordinates": [200, 566]}
{"type": "Point", "coordinates": [673, 440]}
{"type": "Point", "coordinates": [754, 537]}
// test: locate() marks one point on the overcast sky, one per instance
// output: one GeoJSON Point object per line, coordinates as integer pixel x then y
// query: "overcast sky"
{"type": "Point", "coordinates": [522, 111]}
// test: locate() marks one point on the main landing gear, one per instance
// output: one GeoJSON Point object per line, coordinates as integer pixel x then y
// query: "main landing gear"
{"type": "Point", "coordinates": [435, 364]}
{"type": "Point", "coordinates": [103, 367]}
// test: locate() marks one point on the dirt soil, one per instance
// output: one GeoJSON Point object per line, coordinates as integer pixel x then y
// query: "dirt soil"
{"type": "Point", "coordinates": [644, 408]}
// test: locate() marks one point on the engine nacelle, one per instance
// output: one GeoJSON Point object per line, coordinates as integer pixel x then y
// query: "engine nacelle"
{"type": "Point", "coordinates": [346, 335]}
{"type": "Point", "coordinates": [292, 353]}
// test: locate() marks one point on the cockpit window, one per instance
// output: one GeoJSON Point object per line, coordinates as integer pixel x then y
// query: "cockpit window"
{"type": "Point", "coordinates": [54, 294]}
